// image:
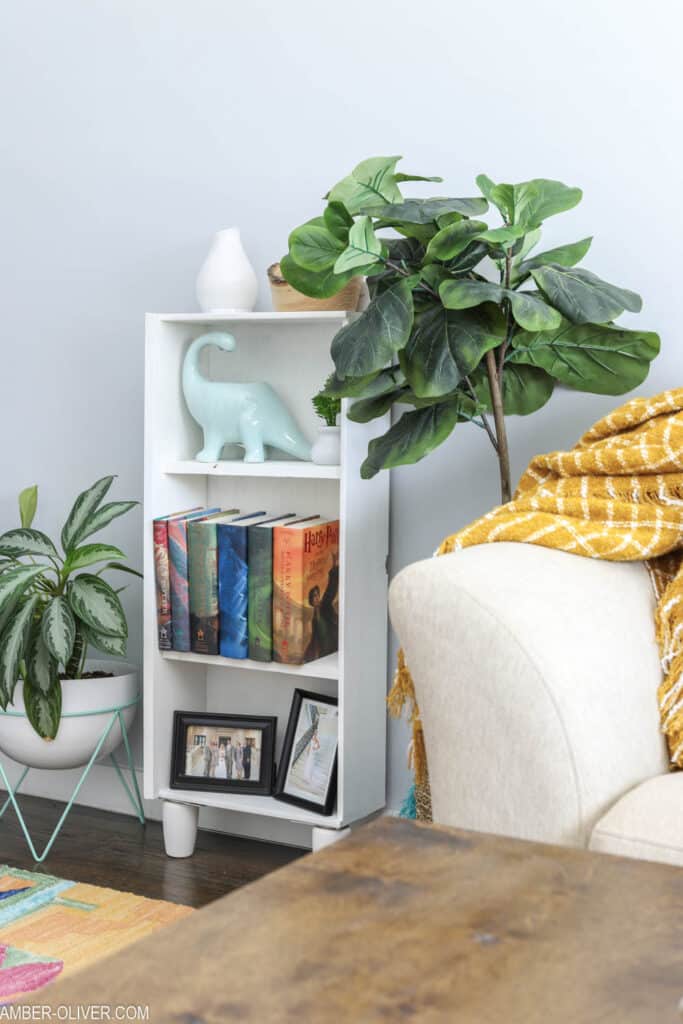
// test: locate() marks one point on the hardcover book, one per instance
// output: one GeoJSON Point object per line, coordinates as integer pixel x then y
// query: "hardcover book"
{"type": "Point", "coordinates": [162, 577]}
{"type": "Point", "coordinates": [232, 585]}
{"type": "Point", "coordinates": [202, 548]}
{"type": "Point", "coordinates": [178, 566]}
{"type": "Point", "coordinates": [260, 587]}
{"type": "Point", "coordinates": [305, 591]}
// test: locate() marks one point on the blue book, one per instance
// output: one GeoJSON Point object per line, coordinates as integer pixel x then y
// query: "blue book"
{"type": "Point", "coordinates": [233, 632]}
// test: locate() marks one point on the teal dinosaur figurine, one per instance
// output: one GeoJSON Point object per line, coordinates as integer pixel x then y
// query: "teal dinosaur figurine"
{"type": "Point", "coordinates": [252, 415]}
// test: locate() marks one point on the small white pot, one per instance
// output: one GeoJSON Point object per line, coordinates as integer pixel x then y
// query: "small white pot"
{"type": "Point", "coordinates": [227, 282]}
{"type": "Point", "coordinates": [327, 449]}
{"type": "Point", "coordinates": [76, 738]}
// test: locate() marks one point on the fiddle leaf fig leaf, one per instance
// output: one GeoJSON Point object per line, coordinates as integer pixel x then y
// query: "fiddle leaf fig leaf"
{"type": "Point", "coordinates": [28, 503]}
{"type": "Point", "coordinates": [452, 240]}
{"type": "Point", "coordinates": [532, 313]}
{"type": "Point", "coordinates": [536, 200]}
{"type": "Point", "coordinates": [25, 541]}
{"type": "Point", "coordinates": [415, 435]}
{"type": "Point", "coordinates": [369, 386]}
{"type": "Point", "coordinates": [318, 284]}
{"type": "Point", "coordinates": [505, 236]}
{"type": "Point", "coordinates": [563, 256]}
{"type": "Point", "coordinates": [425, 211]}
{"type": "Point", "coordinates": [582, 297]}
{"type": "Point", "coordinates": [525, 389]}
{"type": "Point", "coordinates": [528, 310]}
{"type": "Point", "coordinates": [367, 344]}
{"type": "Point", "coordinates": [464, 294]}
{"type": "Point", "coordinates": [446, 345]}
{"type": "Point", "coordinates": [372, 181]}
{"type": "Point", "coordinates": [363, 247]}
{"type": "Point", "coordinates": [415, 177]}
{"type": "Point", "coordinates": [85, 505]}
{"type": "Point", "coordinates": [338, 220]}
{"type": "Point", "coordinates": [313, 246]}
{"type": "Point", "coordinates": [366, 409]}
{"type": "Point", "coordinates": [598, 358]}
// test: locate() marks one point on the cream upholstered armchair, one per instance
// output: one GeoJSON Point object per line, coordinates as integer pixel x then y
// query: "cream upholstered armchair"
{"type": "Point", "coordinates": [536, 673]}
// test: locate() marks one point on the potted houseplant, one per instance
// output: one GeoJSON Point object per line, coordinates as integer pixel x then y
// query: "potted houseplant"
{"type": "Point", "coordinates": [466, 323]}
{"type": "Point", "coordinates": [326, 450]}
{"type": "Point", "coordinates": [54, 607]}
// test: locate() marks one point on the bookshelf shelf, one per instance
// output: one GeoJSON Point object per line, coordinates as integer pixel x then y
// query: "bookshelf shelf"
{"type": "Point", "coordinates": [323, 668]}
{"type": "Point", "coordinates": [287, 468]}
{"type": "Point", "coordinates": [291, 351]}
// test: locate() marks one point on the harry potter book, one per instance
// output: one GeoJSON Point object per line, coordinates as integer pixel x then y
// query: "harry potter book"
{"type": "Point", "coordinates": [260, 587]}
{"type": "Point", "coordinates": [232, 585]}
{"type": "Point", "coordinates": [305, 591]}
{"type": "Point", "coordinates": [162, 577]}
{"type": "Point", "coordinates": [203, 581]}
{"type": "Point", "coordinates": [178, 566]}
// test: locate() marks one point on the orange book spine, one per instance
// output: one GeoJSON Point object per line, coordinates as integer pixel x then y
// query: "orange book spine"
{"type": "Point", "coordinates": [287, 594]}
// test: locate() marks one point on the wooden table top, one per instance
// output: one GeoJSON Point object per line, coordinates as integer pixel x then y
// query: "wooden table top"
{"type": "Point", "coordinates": [407, 922]}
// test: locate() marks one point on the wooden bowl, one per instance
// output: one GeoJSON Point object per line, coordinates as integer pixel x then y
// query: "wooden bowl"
{"type": "Point", "coordinates": [288, 300]}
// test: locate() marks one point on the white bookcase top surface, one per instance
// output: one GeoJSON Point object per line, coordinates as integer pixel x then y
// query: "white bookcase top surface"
{"type": "Point", "coordinates": [322, 317]}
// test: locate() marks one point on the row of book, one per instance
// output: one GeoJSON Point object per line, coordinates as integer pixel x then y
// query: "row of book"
{"type": "Point", "coordinates": [247, 585]}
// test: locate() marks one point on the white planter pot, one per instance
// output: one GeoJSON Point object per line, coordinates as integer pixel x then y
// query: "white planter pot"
{"type": "Point", "coordinates": [227, 282]}
{"type": "Point", "coordinates": [76, 738]}
{"type": "Point", "coordinates": [327, 449]}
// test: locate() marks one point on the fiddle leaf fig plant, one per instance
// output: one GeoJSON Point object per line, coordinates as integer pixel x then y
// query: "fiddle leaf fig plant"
{"type": "Point", "coordinates": [466, 320]}
{"type": "Point", "coordinates": [55, 605]}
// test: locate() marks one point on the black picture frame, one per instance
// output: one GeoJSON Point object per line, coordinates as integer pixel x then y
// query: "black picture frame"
{"type": "Point", "coordinates": [325, 807]}
{"type": "Point", "coordinates": [184, 720]}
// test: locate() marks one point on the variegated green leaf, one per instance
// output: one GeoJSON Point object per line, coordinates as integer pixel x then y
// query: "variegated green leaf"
{"type": "Point", "coordinates": [12, 645]}
{"type": "Point", "coordinates": [115, 645]}
{"type": "Point", "coordinates": [123, 568]}
{"type": "Point", "coordinates": [41, 667]}
{"type": "Point", "coordinates": [14, 582]}
{"type": "Point", "coordinates": [104, 516]}
{"type": "Point", "coordinates": [44, 710]}
{"type": "Point", "coordinates": [91, 553]}
{"type": "Point", "coordinates": [96, 604]}
{"type": "Point", "coordinates": [84, 506]}
{"type": "Point", "coordinates": [28, 503]}
{"type": "Point", "coordinates": [26, 542]}
{"type": "Point", "coordinates": [59, 629]}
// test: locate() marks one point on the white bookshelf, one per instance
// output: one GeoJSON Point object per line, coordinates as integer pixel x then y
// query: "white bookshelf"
{"type": "Point", "coordinates": [291, 352]}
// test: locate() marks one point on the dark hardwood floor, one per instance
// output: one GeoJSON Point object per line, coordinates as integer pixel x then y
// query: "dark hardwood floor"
{"type": "Point", "coordinates": [114, 850]}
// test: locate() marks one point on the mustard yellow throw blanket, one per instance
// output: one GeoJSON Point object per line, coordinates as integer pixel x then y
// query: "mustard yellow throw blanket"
{"type": "Point", "coordinates": [617, 495]}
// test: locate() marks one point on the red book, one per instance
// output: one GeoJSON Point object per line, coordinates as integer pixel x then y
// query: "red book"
{"type": "Point", "coordinates": [162, 577]}
{"type": "Point", "coordinates": [305, 591]}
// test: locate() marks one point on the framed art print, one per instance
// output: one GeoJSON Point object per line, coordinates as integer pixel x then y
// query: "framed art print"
{"type": "Point", "coordinates": [223, 753]}
{"type": "Point", "coordinates": [307, 774]}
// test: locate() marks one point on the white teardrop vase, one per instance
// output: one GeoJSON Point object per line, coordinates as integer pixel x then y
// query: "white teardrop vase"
{"type": "Point", "coordinates": [226, 282]}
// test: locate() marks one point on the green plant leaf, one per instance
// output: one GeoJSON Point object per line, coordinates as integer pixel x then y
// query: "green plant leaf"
{"type": "Point", "coordinates": [104, 516]}
{"type": "Point", "coordinates": [596, 358]}
{"type": "Point", "coordinates": [313, 247]}
{"type": "Point", "coordinates": [27, 542]}
{"type": "Point", "coordinates": [12, 646]}
{"type": "Point", "coordinates": [536, 200]}
{"type": "Point", "coordinates": [504, 236]}
{"type": "Point", "coordinates": [338, 220]}
{"type": "Point", "coordinates": [582, 297]}
{"type": "Point", "coordinates": [415, 435]}
{"type": "Point", "coordinates": [41, 667]}
{"type": "Point", "coordinates": [452, 240]}
{"type": "Point", "coordinates": [372, 340]}
{"type": "Point", "coordinates": [114, 645]}
{"type": "Point", "coordinates": [371, 181]}
{"type": "Point", "coordinates": [14, 582]}
{"type": "Point", "coordinates": [83, 508]}
{"type": "Point", "coordinates": [122, 568]}
{"type": "Point", "coordinates": [369, 386]}
{"type": "Point", "coordinates": [96, 604]}
{"type": "Point", "coordinates": [525, 389]}
{"type": "Point", "coordinates": [318, 285]}
{"type": "Point", "coordinates": [366, 409]}
{"type": "Point", "coordinates": [58, 629]}
{"type": "Point", "coordinates": [465, 294]}
{"type": "Point", "coordinates": [563, 256]}
{"type": "Point", "coordinates": [531, 238]}
{"type": "Point", "coordinates": [89, 554]}
{"type": "Point", "coordinates": [446, 345]}
{"type": "Point", "coordinates": [28, 503]}
{"type": "Point", "coordinates": [44, 710]}
{"type": "Point", "coordinates": [426, 211]}
{"type": "Point", "coordinates": [363, 247]}
{"type": "Point", "coordinates": [415, 177]}
{"type": "Point", "coordinates": [532, 313]}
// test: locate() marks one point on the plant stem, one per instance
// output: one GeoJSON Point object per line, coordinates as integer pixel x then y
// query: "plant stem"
{"type": "Point", "coordinates": [499, 420]}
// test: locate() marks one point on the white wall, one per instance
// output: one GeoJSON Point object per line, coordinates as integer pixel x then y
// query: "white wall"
{"type": "Point", "coordinates": [132, 129]}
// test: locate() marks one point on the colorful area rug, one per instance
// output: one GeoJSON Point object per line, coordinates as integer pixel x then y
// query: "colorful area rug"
{"type": "Point", "coordinates": [50, 927]}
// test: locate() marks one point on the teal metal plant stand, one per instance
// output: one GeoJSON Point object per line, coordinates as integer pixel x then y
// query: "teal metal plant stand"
{"type": "Point", "coordinates": [133, 793]}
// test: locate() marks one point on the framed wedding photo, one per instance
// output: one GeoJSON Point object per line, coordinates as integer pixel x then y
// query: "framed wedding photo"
{"type": "Point", "coordinates": [307, 774]}
{"type": "Point", "coordinates": [223, 753]}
